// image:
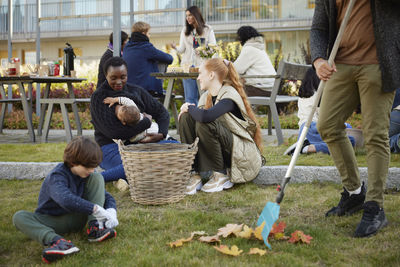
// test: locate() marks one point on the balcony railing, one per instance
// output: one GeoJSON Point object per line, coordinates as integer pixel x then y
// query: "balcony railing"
{"type": "Point", "coordinates": [82, 17]}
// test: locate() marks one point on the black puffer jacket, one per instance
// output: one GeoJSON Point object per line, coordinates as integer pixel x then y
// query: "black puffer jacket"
{"type": "Point", "coordinates": [106, 124]}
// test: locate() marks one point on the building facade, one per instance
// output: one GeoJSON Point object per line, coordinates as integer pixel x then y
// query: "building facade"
{"type": "Point", "coordinates": [86, 24]}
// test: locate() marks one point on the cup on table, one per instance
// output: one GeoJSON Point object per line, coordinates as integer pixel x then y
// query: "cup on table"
{"type": "Point", "coordinates": [73, 73]}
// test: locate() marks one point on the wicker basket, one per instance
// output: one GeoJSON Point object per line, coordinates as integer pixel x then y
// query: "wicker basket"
{"type": "Point", "coordinates": [157, 173]}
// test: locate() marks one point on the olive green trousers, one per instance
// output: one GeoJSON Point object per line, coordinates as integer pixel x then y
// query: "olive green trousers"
{"type": "Point", "coordinates": [350, 86]}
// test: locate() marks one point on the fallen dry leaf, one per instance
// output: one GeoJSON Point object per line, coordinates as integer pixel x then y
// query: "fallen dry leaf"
{"type": "Point", "coordinates": [280, 236]}
{"type": "Point", "coordinates": [246, 233]}
{"type": "Point", "coordinates": [229, 229]}
{"type": "Point", "coordinates": [179, 242]}
{"type": "Point", "coordinates": [300, 237]}
{"type": "Point", "coordinates": [209, 239]}
{"type": "Point", "coordinates": [258, 251]}
{"type": "Point", "coordinates": [199, 233]}
{"type": "Point", "coordinates": [233, 251]}
{"type": "Point", "coordinates": [257, 232]}
{"type": "Point", "coordinates": [277, 228]}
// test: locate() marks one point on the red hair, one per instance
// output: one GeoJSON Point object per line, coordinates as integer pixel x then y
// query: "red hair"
{"type": "Point", "coordinates": [227, 74]}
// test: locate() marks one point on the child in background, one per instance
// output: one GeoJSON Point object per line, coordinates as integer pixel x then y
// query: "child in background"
{"type": "Point", "coordinates": [313, 142]}
{"type": "Point", "coordinates": [71, 195]}
{"type": "Point", "coordinates": [128, 113]}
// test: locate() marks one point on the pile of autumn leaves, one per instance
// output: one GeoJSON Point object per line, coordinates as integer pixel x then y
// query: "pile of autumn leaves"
{"type": "Point", "coordinates": [243, 231]}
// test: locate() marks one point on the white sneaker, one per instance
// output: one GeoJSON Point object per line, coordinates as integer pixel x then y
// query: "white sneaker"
{"type": "Point", "coordinates": [121, 184]}
{"type": "Point", "coordinates": [194, 184]}
{"type": "Point", "coordinates": [218, 182]}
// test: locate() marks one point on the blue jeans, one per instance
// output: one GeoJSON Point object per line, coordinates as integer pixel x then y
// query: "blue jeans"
{"type": "Point", "coordinates": [112, 163]}
{"type": "Point", "coordinates": [191, 91]}
{"type": "Point", "coordinates": [315, 139]}
{"type": "Point", "coordinates": [394, 131]}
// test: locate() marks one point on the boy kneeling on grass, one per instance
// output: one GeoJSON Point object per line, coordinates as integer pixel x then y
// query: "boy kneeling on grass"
{"type": "Point", "coordinates": [71, 195]}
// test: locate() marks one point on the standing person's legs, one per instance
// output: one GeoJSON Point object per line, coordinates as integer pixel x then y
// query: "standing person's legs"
{"type": "Point", "coordinates": [191, 91]}
{"type": "Point", "coordinates": [375, 111]}
{"type": "Point", "coordinates": [394, 143]}
{"type": "Point", "coordinates": [112, 163]}
{"type": "Point", "coordinates": [339, 99]}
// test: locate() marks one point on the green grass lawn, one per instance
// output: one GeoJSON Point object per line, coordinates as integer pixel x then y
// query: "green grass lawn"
{"type": "Point", "coordinates": [53, 152]}
{"type": "Point", "coordinates": [144, 231]}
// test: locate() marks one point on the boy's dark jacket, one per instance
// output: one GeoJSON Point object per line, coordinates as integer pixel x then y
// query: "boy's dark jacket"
{"type": "Point", "coordinates": [142, 59]}
{"type": "Point", "coordinates": [386, 22]}
{"type": "Point", "coordinates": [106, 124]}
{"type": "Point", "coordinates": [62, 193]}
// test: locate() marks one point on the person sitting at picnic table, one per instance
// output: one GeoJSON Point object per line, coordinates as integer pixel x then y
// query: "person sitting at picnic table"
{"type": "Point", "coordinates": [254, 60]}
{"type": "Point", "coordinates": [229, 135]}
{"type": "Point", "coordinates": [108, 127]}
{"type": "Point", "coordinates": [71, 195]}
{"type": "Point", "coordinates": [143, 58]}
{"type": "Point", "coordinates": [101, 77]}
{"type": "Point", "coordinates": [307, 94]}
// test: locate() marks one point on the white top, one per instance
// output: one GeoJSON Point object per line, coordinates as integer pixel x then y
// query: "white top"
{"type": "Point", "coordinates": [305, 106]}
{"type": "Point", "coordinates": [129, 102]}
{"type": "Point", "coordinates": [186, 44]}
{"type": "Point", "coordinates": [254, 60]}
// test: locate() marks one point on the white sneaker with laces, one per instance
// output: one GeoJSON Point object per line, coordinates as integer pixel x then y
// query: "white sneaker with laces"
{"type": "Point", "coordinates": [218, 182]}
{"type": "Point", "coordinates": [194, 184]}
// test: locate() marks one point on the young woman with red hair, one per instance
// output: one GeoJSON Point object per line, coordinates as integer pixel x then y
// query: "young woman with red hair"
{"type": "Point", "coordinates": [230, 136]}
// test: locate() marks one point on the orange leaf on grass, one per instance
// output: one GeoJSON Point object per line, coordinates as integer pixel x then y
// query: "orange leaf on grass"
{"type": "Point", "coordinates": [258, 251]}
{"type": "Point", "coordinates": [209, 239]}
{"type": "Point", "coordinates": [229, 229]}
{"type": "Point", "coordinates": [233, 251]}
{"type": "Point", "coordinates": [278, 228]}
{"type": "Point", "coordinates": [300, 237]}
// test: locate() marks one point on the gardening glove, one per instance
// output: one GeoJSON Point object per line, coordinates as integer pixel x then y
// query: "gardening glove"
{"type": "Point", "coordinates": [113, 221]}
{"type": "Point", "coordinates": [101, 214]}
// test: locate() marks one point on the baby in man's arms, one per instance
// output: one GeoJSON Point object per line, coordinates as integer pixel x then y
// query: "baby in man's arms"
{"type": "Point", "coordinates": [128, 113]}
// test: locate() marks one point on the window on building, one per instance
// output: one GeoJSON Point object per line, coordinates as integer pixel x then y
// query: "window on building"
{"type": "Point", "coordinates": [28, 57]}
{"type": "Point", "coordinates": [311, 3]}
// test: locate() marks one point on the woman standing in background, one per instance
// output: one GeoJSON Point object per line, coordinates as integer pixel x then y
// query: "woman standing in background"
{"type": "Point", "coordinates": [195, 33]}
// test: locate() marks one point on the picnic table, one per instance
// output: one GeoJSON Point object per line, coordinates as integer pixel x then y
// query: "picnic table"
{"type": "Point", "coordinates": [47, 103]}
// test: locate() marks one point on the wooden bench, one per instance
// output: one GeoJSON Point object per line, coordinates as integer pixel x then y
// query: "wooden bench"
{"type": "Point", "coordinates": [64, 112]}
{"type": "Point", "coordinates": [286, 71]}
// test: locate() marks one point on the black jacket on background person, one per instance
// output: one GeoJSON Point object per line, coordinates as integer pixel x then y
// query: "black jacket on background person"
{"type": "Point", "coordinates": [106, 124]}
{"type": "Point", "coordinates": [101, 77]}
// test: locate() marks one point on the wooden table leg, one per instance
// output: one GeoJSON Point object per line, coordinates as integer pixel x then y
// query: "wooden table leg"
{"type": "Point", "coordinates": [47, 122]}
{"type": "Point", "coordinates": [67, 124]}
{"type": "Point", "coordinates": [168, 94]}
{"type": "Point", "coordinates": [25, 107]}
{"type": "Point", "coordinates": [43, 107]}
{"type": "Point", "coordinates": [75, 109]}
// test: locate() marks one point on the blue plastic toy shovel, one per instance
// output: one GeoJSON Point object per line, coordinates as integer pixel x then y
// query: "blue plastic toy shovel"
{"type": "Point", "coordinates": [270, 213]}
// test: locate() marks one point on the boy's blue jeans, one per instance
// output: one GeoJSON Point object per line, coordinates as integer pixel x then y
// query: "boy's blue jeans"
{"type": "Point", "coordinates": [191, 91]}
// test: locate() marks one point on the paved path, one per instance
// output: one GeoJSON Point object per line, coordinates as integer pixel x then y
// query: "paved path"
{"type": "Point", "coordinates": [268, 174]}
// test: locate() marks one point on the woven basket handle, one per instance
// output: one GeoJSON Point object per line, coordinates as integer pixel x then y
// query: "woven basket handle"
{"type": "Point", "coordinates": [196, 141]}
